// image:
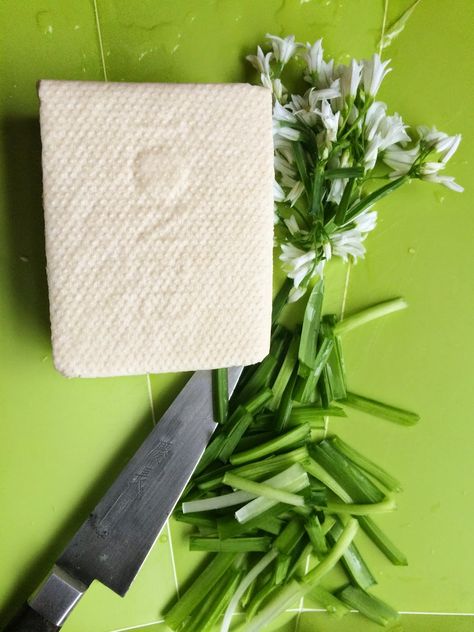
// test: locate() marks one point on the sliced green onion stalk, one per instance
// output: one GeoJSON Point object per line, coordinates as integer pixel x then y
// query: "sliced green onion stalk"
{"type": "Point", "coordinates": [353, 561]}
{"type": "Point", "coordinates": [379, 409]}
{"type": "Point", "coordinates": [368, 605]}
{"type": "Point", "coordinates": [370, 313]}
{"type": "Point", "coordinates": [292, 480]}
{"type": "Point", "coordinates": [320, 362]}
{"type": "Point", "coordinates": [231, 545]}
{"type": "Point", "coordinates": [213, 607]}
{"type": "Point", "coordinates": [285, 373]}
{"type": "Point", "coordinates": [280, 300]}
{"type": "Point", "coordinates": [316, 535]}
{"type": "Point", "coordinates": [382, 541]}
{"type": "Point", "coordinates": [216, 502]}
{"type": "Point", "coordinates": [310, 329]}
{"type": "Point", "coordinates": [388, 504]}
{"type": "Point", "coordinates": [245, 583]}
{"type": "Point", "coordinates": [329, 602]}
{"type": "Point", "coordinates": [221, 394]}
{"type": "Point", "coordinates": [286, 440]}
{"type": "Point", "coordinates": [313, 415]}
{"type": "Point", "coordinates": [387, 480]}
{"type": "Point", "coordinates": [262, 489]}
{"type": "Point", "coordinates": [198, 591]}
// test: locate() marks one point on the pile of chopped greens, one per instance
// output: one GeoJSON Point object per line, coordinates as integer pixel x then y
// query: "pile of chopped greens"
{"type": "Point", "coordinates": [277, 497]}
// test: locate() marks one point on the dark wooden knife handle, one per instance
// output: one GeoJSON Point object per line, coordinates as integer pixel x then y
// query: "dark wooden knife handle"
{"type": "Point", "coordinates": [28, 620]}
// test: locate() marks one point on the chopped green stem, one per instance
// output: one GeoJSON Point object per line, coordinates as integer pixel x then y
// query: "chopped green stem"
{"type": "Point", "coordinates": [351, 478]}
{"type": "Point", "coordinates": [368, 314]}
{"type": "Point", "coordinates": [353, 561]}
{"type": "Point", "coordinates": [271, 464]}
{"type": "Point", "coordinates": [234, 434]}
{"type": "Point", "coordinates": [232, 545]}
{"type": "Point", "coordinates": [244, 584]}
{"type": "Point", "coordinates": [311, 322]}
{"type": "Point", "coordinates": [314, 576]}
{"type": "Point", "coordinates": [286, 440]}
{"type": "Point", "coordinates": [368, 605]}
{"type": "Point", "coordinates": [286, 404]}
{"type": "Point", "coordinates": [198, 591]}
{"type": "Point", "coordinates": [260, 505]}
{"type": "Point", "coordinates": [329, 601]}
{"type": "Point", "coordinates": [360, 510]}
{"type": "Point", "coordinates": [217, 502]}
{"type": "Point", "coordinates": [316, 470]}
{"type": "Point", "coordinates": [379, 409]}
{"type": "Point", "coordinates": [316, 535]}
{"type": "Point", "coordinates": [387, 480]}
{"type": "Point", "coordinates": [196, 519]}
{"type": "Point", "coordinates": [229, 527]}
{"type": "Point", "coordinates": [289, 537]}
{"type": "Point", "coordinates": [214, 606]}
{"type": "Point", "coordinates": [313, 415]}
{"type": "Point", "coordinates": [261, 489]}
{"type": "Point", "coordinates": [382, 541]}
{"type": "Point", "coordinates": [284, 373]}
{"type": "Point", "coordinates": [280, 299]}
{"type": "Point", "coordinates": [286, 596]}
{"type": "Point", "coordinates": [320, 362]}
{"type": "Point", "coordinates": [221, 394]}
{"type": "Point", "coordinates": [258, 401]}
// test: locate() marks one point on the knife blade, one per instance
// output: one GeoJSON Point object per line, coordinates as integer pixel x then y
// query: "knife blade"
{"type": "Point", "coordinates": [114, 541]}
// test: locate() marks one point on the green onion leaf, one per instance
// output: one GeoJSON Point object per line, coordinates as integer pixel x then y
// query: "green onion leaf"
{"type": "Point", "coordinates": [285, 373]}
{"type": "Point", "coordinates": [368, 605]}
{"type": "Point", "coordinates": [311, 322]}
{"type": "Point", "coordinates": [379, 409]}
{"type": "Point", "coordinates": [375, 196]}
{"type": "Point", "coordinates": [233, 545]}
{"type": "Point", "coordinates": [280, 300]}
{"type": "Point", "coordinates": [220, 389]}
{"type": "Point", "coordinates": [382, 541]}
{"type": "Point", "coordinates": [262, 489]}
{"type": "Point", "coordinates": [368, 314]}
{"type": "Point", "coordinates": [344, 172]}
{"type": "Point", "coordinates": [286, 440]}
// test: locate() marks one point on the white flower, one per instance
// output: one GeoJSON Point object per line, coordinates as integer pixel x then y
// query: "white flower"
{"type": "Point", "coordinates": [333, 92]}
{"type": "Point", "coordinates": [260, 61]}
{"type": "Point", "coordinates": [314, 57]}
{"type": "Point", "coordinates": [366, 221]}
{"type": "Point", "coordinates": [296, 293]}
{"type": "Point", "coordinates": [338, 184]}
{"type": "Point", "coordinates": [430, 135]}
{"type": "Point", "coordinates": [295, 193]}
{"type": "Point", "coordinates": [447, 146]}
{"type": "Point", "coordinates": [375, 114]}
{"type": "Point", "coordinates": [283, 48]}
{"type": "Point", "coordinates": [392, 130]}
{"type": "Point", "coordinates": [287, 133]}
{"type": "Point", "coordinates": [278, 193]}
{"type": "Point", "coordinates": [400, 159]}
{"type": "Point", "coordinates": [372, 152]}
{"type": "Point", "coordinates": [296, 262]}
{"type": "Point", "coordinates": [348, 243]}
{"type": "Point", "coordinates": [292, 225]}
{"type": "Point", "coordinates": [329, 120]}
{"type": "Point", "coordinates": [350, 78]}
{"type": "Point", "coordinates": [279, 90]}
{"type": "Point", "coordinates": [266, 81]}
{"type": "Point", "coordinates": [281, 113]}
{"type": "Point", "coordinates": [373, 72]}
{"type": "Point", "coordinates": [429, 168]}
{"type": "Point", "coordinates": [447, 181]}
{"type": "Point", "coordinates": [282, 165]}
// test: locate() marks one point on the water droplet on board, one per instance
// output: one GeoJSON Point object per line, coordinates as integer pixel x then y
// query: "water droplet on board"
{"type": "Point", "coordinates": [163, 538]}
{"type": "Point", "coordinates": [411, 251]}
{"type": "Point", "coordinates": [43, 22]}
{"type": "Point", "coordinates": [24, 259]}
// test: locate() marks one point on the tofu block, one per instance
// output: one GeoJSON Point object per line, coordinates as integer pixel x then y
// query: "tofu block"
{"type": "Point", "coordinates": [159, 225]}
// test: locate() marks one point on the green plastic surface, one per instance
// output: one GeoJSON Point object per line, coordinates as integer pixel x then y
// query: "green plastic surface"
{"type": "Point", "coordinates": [62, 441]}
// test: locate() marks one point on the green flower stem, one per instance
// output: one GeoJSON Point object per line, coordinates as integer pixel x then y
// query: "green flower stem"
{"type": "Point", "coordinates": [371, 313]}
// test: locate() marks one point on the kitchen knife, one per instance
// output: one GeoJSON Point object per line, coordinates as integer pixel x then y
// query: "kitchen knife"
{"type": "Point", "coordinates": [116, 538]}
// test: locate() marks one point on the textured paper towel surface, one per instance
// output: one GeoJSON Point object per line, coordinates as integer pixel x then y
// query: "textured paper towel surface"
{"type": "Point", "coordinates": [158, 215]}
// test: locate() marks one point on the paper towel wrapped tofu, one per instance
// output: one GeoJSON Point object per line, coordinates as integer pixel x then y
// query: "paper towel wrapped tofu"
{"type": "Point", "coordinates": [158, 215]}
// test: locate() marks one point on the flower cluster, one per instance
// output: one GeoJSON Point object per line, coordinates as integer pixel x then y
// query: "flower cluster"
{"type": "Point", "coordinates": [332, 144]}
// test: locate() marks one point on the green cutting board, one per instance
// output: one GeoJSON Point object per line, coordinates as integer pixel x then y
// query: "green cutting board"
{"type": "Point", "coordinates": [62, 441]}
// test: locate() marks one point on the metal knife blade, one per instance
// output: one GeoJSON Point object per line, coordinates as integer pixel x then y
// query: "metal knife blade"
{"type": "Point", "coordinates": [116, 538]}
